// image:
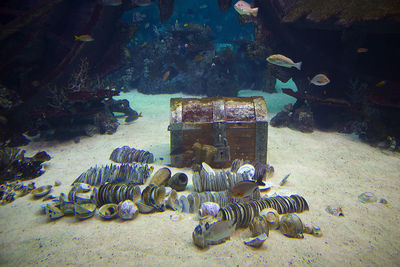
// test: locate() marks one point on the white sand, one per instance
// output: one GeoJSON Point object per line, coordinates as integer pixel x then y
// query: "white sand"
{"type": "Point", "coordinates": [326, 168]}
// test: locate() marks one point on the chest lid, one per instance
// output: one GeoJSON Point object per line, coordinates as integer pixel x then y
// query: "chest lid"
{"type": "Point", "coordinates": [218, 109]}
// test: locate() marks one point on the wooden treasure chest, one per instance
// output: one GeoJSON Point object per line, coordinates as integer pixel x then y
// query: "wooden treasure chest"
{"type": "Point", "coordinates": [218, 130]}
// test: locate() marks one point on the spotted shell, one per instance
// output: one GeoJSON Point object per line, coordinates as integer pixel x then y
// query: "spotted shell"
{"type": "Point", "coordinates": [108, 211]}
{"type": "Point", "coordinates": [271, 216]}
{"type": "Point", "coordinates": [209, 208]}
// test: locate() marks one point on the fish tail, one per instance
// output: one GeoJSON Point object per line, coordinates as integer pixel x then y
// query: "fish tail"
{"type": "Point", "coordinates": [254, 11]}
{"type": "Point", "coordinates": [298, 65]}
{"type": "Point", "coordinates": [140, 115]}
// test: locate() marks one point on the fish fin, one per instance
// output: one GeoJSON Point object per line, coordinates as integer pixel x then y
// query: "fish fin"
{"type": "Point", "coordinates": [140, 115]}
{"type": "Point", "coordinates": [254, 11]}
{"type": "Point", "coordinates": [76, 37]}
{"type": "Point", "coordinates": [298, 65]}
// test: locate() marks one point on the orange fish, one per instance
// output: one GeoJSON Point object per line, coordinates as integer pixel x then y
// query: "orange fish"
{"type": "Point", "coordinates": [198, 58]}
{"type": "Point", "coordinates": [166, 75]}
{"type": "Point", "coordinates": [362, 50]}
{"type": "Point", "coordinates": [144, 44]}
{"type": "Point", "coordinates": [381, 83]}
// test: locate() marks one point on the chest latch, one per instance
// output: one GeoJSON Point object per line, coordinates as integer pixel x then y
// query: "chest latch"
{"type": "Point", "coordinates": [221, 143]}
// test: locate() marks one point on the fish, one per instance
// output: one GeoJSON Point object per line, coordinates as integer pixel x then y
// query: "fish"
{"type": "Point", "coordinates": [147, 25]}
{"type": "Point", "coordinates": [142, 2]}
{"type": "Point", "coordinates": [281, 60]}
{"type": "Point", "coordinates": [284, 180]}
{"type": "Point", "coordinates": [319, 80]}
{"type": "Point", "coordinates": [110, 2]}
{"type": "Point", "coordinates": [166, 75]}
{"type": "Point", "coordinates": [213, 233]}
{"type": "Point", "coordinates": [84, 38]}
{"type": "Point", "coordinates": [185, 25]}
{"type": "Point", "coordinates": [134, 116]}
{"type": "Point", "coordinates": [362, 50]}
{"type": "Point", "coordinates": [243, 189]}
{"type": "Point", "coordinates": [203, 6]}
{"type": "Point", "coordinates": [244, 8]}
{"type": "Point", "coordinates": [143, 44]}
{"type": "Point", "coordinates": [381, 83]}
{"type": "Point", "coordinates": [138, 17]}
{"type": "Point", "coordinates": [198, 58]}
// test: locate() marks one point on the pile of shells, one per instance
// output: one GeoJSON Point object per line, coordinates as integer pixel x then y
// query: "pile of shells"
{"type": "Point", "coordinates": [210, 180]}
{"type": "Point", "coordinates": [154, 196]}
{"type": "Point", "coordinates": [12, 190]}
{"type": "Point", "coordinates": [243, 213]}
{"type": "Point", "coordinates": [126, 154]}
{"type": "Point", "coordinates": [115, 193]}
{"type": "Point", "coordinates": [135, 173]}
{"type": "Point", "coordinates": [262, 171]}
{"type": "Point", "coordinates": [192, 202]}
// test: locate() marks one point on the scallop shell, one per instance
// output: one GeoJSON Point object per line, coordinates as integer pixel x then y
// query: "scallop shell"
{"type": "Point", "coordinates": [161, 177]}
{"type": "Point", "coordinates": [257, 241]}
{"type": "Point", "coordinates": [158, 197]}
{"type": "Point", "coordinates": [258, 226]}
{"type": "Point", "coordinates": [108, 211]}
{"type": "Point", "coordinates": [291, 226]}
{"type": "Point", "coordinates": [41, 191]}
{"type": "Point", "coordinates": [184, 204]}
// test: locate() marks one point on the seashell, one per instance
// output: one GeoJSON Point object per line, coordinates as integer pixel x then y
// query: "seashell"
{"type": "Point", "coordinates": [383, 201]}
{"type": "Point", "coordinates": [209, 208]}
{"type": "Point", "coordinates": [178, 181]}
{"type": "Point", "coordinates": [127, 210]}
{"type": "Point", "coordinates": [367, 197]}
{"type": "Point", "coordinates": [334, 210]}
{"type": "Point", "coordinates": [173, 202]}
{"type": "Point", "coordinates": [316, 231]}
{"type": "Point", "coordinates": [82, 187]}
{"type": "Point", "coordinates": [108, 211]}
{"type": "Point", "coordinates": [257, 241]}
{"type": "Point", "coordinates": [48, 197]}
{"type": "Point", "coordinates": [184, 204]}
{"type": "Point", "coordinates": [161, 177]}
{"type": "Point", "coordinates": [53, 212]}
{"type": "Point", "coordinates": [265, 187]}
{"type": "Point", "coordinates": [143, 208]}
{"type": "Point", "coordinates": [158, 197]}
{"type": "Point", "coordinates": [208, 219]}
{"type": "Point", "coordinates": [291, 226]}
{"type": "Point", "coordinates": [84, 211]}
{"type": "Point", "coordinates": [247, 171]}
{"type": "Point", "coordinates": [81, 198]}
{"type": "Point", "coordinates": [57, 183]}
{"type": "Point", "coordinates": [168, 191]}
{"type": "Point", "coordinates": [207, 168]}
{"type": "Point", "coordinates": [258, 226]}
{"type": "Point", "coordinates": [270, 171]}
{"type": "Point", "coordinates": [41, 191]}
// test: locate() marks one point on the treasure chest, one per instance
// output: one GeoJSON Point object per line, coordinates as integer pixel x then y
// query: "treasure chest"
{"type": "Point", "coordinates": [218, 130]}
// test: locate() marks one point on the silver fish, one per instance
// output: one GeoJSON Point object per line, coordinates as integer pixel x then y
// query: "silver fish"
{"type": "Point", "coordinates": [213, 234]}
{"type": "Point", "coordinates": [244, 8]}
{"type": "Point", "coordinates": [281, 60]}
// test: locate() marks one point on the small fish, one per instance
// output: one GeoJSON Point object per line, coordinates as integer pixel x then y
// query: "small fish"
{"type": "Point", "coordinates": [127, 53]}
{"type": "Point", "coordinates": [110, 2]}
{"type": "Point", "coordinates": [166, 75]}
{"type": "Point", "coordinates": [213, 233]}
{"type": "Point", "coordinates": [281, 60]}
{"type": "Point", "coordinates": [185, 25]}
{"type": "Point", "coordinates": [319, 80]}
{"type": "Point", "coordinates": [198, 58]}
{"type": "Point", "coordinates": [35, 83]}
{"type": "Point", "coordinates": [142, 2]}
{"type": "Point", "coordinates": [362, 50]}
{"type": "Point", "coordinates": [203, 6]}
{"type": "Point", "coordinates": [134, 116]}
{"type": "Point", "coordinates": [244, 8]}
{"type": "Point", "coordinates": [284, 180]}
{"type": "Point", "coordinates": [84, 38]}
{"type": "Point", "coordinates": [143, 44]}
{"type": "Point", "coordinates": [138, 17]}
{"type": "Point", "coordinates": [147, 25]}
{"type": "Point", "coordinates": [243, 189]}
{"type": "Point", "coordinates": [381, 83]}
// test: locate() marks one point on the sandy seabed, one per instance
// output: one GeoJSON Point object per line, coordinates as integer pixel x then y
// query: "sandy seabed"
{"type": "Point", "coordinates": [326, 169]}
